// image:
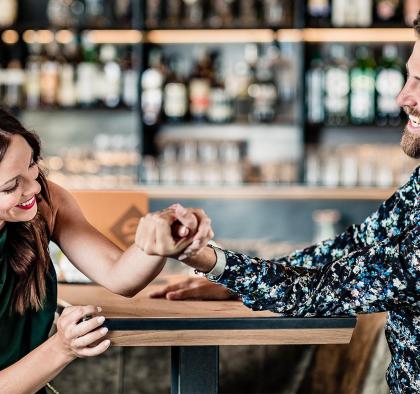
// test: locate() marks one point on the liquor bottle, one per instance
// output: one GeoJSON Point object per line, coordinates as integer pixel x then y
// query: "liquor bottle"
{"type": "Point", "coordinates": [65, 13]}
{"type": "Point", "coordinates": [220, 107]}
{"type": "Point", "coordinates": [193, 12]}
{"type": "Point", "coordinates": [122, 11]}
{"type": "Point", "coordinates": [337, 86]}
{"type": "Point", "coordinates": [351, 13]}
{"type": "Point", "coordinates": [175, 95]}
{"type": "Point", "coordinates": [283, 60]}
{"type": "Point", "coordinates": [96, 14]}
{"type": "Point", "coordinates": [389, 82]}
{"type": "Point", "coordinates": [33, 75]}
{"type": "Point", "coordinates": [388, 11]}
{"type": "Point", "coordinates": [49, 75]}
{"type": "Point", "coordinates": [67, 95]}
{"type": "Point", "coordinates": [247, 13]}
{"type": "Point", "coordinates": [339, 13]}
{"type": "Point", "coordinates": [8, 12]}
{"type": "Point", "coordinates": [221, 13]}
{"type": "Point", "coordinates": [315, 79]}
{"type": "Point", "coordinates": [14, 81]}
{"type": "Point", "coordinates": [364, 16]}
{"type": "Point", "coordinates": [264, 93]}
{"type": "Point", "coordinates": [199, 87]}
{"type": "Point", "coordinates": [276, 12]}
{"type": "Point", "coordinates": [237, 83]}
{"type": "Point", "coordinates": [130, 80]}
{"type": "Point", "coordinates": [362, 82]}
{"type": "Point", "coordinates": [243, 77]}
{"type": "Point", "coordinates": [87, 74]}
{"type": "Point", "coordinates": [411, 8]}
{"type": "Point", "coordinates": [173, 12]}
{"type": "Point", "coordinates": [319, 12]}
{"type": "Point", "coordinates": [151, 88]}
{"type": "Point", "coordinates": [112, 76]}
{"type": "Point", "coordinates": [153, 13]}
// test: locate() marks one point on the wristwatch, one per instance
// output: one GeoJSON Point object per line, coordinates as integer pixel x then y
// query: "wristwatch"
{"type": "Point", "coordinates": [220, 265]}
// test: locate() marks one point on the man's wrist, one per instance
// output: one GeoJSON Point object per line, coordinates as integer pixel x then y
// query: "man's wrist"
{"type": "Point", "coordinates": [204, 261]}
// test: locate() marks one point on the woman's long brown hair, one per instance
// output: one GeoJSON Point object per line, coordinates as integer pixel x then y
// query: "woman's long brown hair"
{"type": "Point", "coordinates": [26, 249]}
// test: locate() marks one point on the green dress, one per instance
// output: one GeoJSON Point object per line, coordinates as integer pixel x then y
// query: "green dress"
{"type": "Point", "coordinates": [21, 334]}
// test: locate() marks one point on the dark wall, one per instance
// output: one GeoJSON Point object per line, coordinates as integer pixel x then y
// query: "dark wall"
{"type": "Point", "coordinates": [276, 220]}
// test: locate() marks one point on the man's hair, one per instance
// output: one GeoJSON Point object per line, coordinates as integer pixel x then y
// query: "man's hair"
{"type": "Point", "coordinates": [417, 24]}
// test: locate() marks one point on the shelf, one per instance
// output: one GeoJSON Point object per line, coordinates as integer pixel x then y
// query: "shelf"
{"type": "Point", "coordinates": [261, 192]}
{"type": "Point", "coordinates": [231, 132]}
{"type": "Point", "coordinates": [63, 36]}
{"type": "Point", "coordinates": [362, 128]}
{"type": "Point", "coordinates": [220, 36]}
{"type": "Point", "coordinates": [284, 35]}
{"type": "Point", "coordinates": [76, 111]}
{"type": "Point", "coordinates": [359, 35]}
{"type": "Point", "coordinates": [210, 36]}
{"type": "Point", "coordinates": [21, 27]}
{"type": "Point", "coordinates": [114, 36]}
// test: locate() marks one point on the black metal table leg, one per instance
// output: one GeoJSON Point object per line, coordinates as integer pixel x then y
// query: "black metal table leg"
{"type": "Point", "coordinates": [195, 370]}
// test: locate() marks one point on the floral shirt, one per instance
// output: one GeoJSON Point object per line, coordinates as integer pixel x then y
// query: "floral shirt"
{"type": "Point", "coordinates": [371, 267]}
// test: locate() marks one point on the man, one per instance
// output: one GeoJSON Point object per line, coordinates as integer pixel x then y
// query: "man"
{"type": "Point", "coordinates": [371, 267]}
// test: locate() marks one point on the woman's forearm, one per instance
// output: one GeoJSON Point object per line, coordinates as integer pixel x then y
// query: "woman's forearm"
{"type": "Point", "coordinates": [133, 271]}
{"type": "Point", "coordinates": [35, 370]}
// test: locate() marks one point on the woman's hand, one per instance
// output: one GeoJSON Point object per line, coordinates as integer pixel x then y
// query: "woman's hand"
{"type": "Point", "coordinates": [194, 289]}
{"type": "Point", "coordinates": [78, 337]}
{"type": "Point", "coordinates": [174, 231]}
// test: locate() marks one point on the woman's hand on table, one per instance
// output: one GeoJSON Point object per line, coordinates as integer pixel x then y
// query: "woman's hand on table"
{"type": "Point", "coordinates": [81, 336]}
{"type": "Point", "coordinates": [194, 289]}
{"type": "Point", "coordinates": [174, 232]}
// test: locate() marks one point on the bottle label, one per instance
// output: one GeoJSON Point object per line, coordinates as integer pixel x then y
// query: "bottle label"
{"type": "Point", "coordinates": [199, 96]}
{"type": "Point", "coordinates": [175, 100]}
{"type": "Point", "coordinates": [220, 109]}
{"type": "Point", "coordinates": [337, 88]}
{"type": "Point", "coordinates": [389, 82]}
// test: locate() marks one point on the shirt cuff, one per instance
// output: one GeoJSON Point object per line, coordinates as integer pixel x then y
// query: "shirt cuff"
{"type": "Point", "coordinates": [217, 271]}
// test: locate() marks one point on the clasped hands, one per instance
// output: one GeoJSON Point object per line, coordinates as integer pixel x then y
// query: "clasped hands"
{"type": "Point", "coordinates": [174, 232]}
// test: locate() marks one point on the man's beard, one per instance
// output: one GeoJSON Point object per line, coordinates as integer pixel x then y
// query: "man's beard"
{"type": "Point", "coordinates": [410, 143]}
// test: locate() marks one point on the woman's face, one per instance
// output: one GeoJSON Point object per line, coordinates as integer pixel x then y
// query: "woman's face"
{"type": "Point", "coordinates": [18, 185]}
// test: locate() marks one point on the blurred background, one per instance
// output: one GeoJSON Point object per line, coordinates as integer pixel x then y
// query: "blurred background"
{"type": "Point", "coordinates": [278, 114]}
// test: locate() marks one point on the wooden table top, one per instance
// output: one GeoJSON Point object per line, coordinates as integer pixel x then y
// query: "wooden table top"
{"type": "Point", "coordinates": [142, 321]}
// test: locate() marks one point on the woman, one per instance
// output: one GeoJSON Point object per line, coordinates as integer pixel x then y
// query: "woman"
{"type": "Point", "coordinates": [34, 211]}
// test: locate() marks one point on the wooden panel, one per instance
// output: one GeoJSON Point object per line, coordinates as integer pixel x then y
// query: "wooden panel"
{"type": "Point", "coordinates": [114, 213]}
{"type": "Point", "coordinates": [231, 337]}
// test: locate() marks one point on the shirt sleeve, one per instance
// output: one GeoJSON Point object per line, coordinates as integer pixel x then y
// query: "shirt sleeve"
{"type": "Point", "coordinates": [389, 220]}
{"type": "Point", "coordinates": [373, 279]}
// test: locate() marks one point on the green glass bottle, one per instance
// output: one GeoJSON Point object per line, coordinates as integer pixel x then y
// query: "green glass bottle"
{"type": "Point", "coordinates": [362, 83]}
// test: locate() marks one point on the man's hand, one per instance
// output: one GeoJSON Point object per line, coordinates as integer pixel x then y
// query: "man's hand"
{"type": "Point", "coordinates": [204, 231]}
{"type": "Point", "coordinates": [174, 231]}
{"type": "Point", "coordinates": [194, 289]}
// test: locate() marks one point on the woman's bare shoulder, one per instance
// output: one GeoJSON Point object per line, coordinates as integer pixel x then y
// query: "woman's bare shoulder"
{"type": "Point", "coordinates": [58, 197]}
